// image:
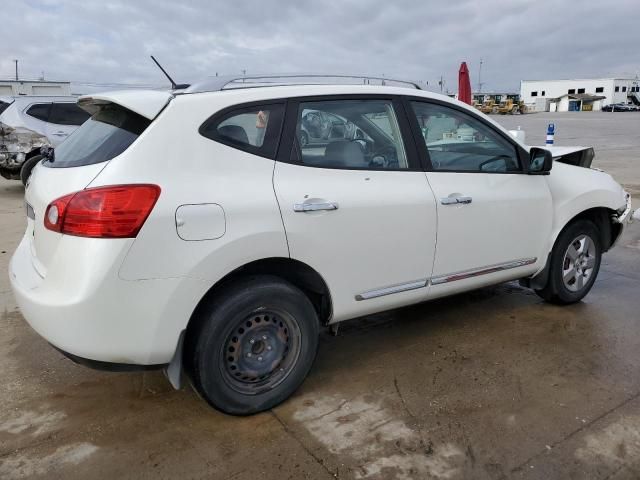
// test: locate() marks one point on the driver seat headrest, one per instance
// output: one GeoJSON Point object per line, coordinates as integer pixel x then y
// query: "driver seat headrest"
{"type": "Point", "coordinates": [344, 154]}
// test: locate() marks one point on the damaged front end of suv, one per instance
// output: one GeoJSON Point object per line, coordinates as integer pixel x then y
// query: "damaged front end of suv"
{"type": "Point", "coordinates": [16, 146]}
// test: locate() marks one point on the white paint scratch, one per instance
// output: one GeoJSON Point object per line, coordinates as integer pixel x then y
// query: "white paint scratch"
{"type": "Point", "coordinates": [381, 444]}
{"type": "Point", "coordinates": [25, 466]}
{"type": "Point", "coordinates": [39, 422]}
{"type": "Point", "coordinates": [616, 443]}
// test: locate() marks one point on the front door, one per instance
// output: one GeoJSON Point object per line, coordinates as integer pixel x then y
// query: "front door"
{"type": "Point", "coordinates": [360, 212]}
{"type": "Point", "coordinates": [494, 220]}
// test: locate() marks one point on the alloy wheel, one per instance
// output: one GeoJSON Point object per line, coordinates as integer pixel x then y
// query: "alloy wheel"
{"type": "Point", "coordinates": [578, 263]}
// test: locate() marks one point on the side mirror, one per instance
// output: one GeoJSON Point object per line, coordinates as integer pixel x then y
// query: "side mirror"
{"type": "Point", "coordinates": [540, 161]}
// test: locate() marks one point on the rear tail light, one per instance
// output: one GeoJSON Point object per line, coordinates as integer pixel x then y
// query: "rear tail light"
{"type": "Point", "coordinates": [116, 211]}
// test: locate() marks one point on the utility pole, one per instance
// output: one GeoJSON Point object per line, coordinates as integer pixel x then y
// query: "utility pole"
{"type": "Point", "coordinates": [441, 83]}
{"type": "Point", "coordinates": [480, 77]}
{"type": "Point", "coordinates": [16, 62]}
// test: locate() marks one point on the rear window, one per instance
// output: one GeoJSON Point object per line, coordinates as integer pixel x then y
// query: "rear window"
{"type": "Point", "coordinates": [4, 106]}
{"type": "Point", "coordinates": [67, 114]}
{"type": "Point", "coordinates": [105, 135]}
{"type": "Point", "coordinates": [39, 111]}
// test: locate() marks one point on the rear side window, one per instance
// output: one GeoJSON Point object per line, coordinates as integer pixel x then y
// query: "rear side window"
{"type": "Point", "coordinates": [349, 134]}
{"type": "Point", "coordinates": [105, 135]}
{"type": "Point", "coordinates": [254, 129]}
{"type": "Point", "coordinates": [39, 111]}
{"type": "Point", "coordinates": [67, 114]}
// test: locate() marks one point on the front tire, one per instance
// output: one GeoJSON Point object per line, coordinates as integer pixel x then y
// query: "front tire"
{"type": "Point", "coordinates": [575, 263]}
{"type": "Point", "coordinates": [256, 343]}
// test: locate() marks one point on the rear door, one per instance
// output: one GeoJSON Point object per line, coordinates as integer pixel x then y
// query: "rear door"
{"type": "Point", "coordinates": [64, 118]}
{"type": "Point", "coordinates": [493, 218]}
{"type": "Point", "coordinates": [360, 212]}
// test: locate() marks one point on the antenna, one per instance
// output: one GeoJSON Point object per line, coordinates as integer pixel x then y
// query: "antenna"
{"type": "Point", "coordinates": [174, 85]}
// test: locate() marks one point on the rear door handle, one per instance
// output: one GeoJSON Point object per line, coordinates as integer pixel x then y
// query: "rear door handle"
{"type": "Point", "coordinates": [455, 200]}
{"type": "Point", "coordinates": [314, 207]}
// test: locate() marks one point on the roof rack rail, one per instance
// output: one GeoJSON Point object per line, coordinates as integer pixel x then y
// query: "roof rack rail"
{"type": "Point", "coordinates": [231, 82]}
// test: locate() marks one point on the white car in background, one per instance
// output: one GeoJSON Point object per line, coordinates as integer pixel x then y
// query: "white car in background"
{"type": "Point", "coordinates": [28, 123]}
{"type": "Point", "coordinates": [191, 229]}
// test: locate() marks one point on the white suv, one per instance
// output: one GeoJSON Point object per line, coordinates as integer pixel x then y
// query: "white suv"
{"type": "Point", "coordinates": [192, 230]}
{"type": "Point", "coordinates": [28, 123]}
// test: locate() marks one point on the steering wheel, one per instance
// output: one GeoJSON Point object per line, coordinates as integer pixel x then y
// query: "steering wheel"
{"type": "Point", "coordinates": [493, 159]}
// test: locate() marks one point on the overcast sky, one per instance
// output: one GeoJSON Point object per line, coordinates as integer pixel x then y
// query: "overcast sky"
{"type": "Point", "coordinates": [109, 41]}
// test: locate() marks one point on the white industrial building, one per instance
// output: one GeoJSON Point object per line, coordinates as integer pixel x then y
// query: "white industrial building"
{"type": "Point", "coordinates": [578, 94]}
{"type": "Point", "coordinates": [34, 87]}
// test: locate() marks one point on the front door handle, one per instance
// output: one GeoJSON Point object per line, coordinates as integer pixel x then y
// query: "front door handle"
{"type": "Point", "coordinates": [314, 207]}
{"type": "Point", "coordinates": [455, 200]}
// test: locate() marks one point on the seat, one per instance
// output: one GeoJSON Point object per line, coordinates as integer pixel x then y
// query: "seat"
{"type": "Point", "coordinates": [234, 132]}
{"type": "Point", "coordinates": [344, 154]}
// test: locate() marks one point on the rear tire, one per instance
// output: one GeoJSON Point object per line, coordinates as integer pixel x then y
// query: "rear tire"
{"type": "Point", "coordinates": [27, 168]}
{"type": "Point", "coordinates": [256, 342]}
{"type": "Point", "coordinates": [575, 263]}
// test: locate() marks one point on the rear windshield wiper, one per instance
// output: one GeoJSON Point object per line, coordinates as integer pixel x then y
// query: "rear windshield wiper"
{"type": "Point", "coordinates": [48, 153]}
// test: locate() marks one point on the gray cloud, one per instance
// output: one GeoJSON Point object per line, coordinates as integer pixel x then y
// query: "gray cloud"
{"type": "Point", "coordinates": [109, 41]}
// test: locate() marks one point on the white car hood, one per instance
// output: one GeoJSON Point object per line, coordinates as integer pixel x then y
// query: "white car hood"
{"type": "Point", "coordinates": [148, 103]}
{"type": "Point", "coordinates": [560, 151]}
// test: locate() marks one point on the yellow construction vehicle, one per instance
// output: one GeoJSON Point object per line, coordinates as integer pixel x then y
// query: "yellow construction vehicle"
{"type": "Point", "coordinates": [508, 106]}
{"type": "Point", "coordinates": [488, 106]}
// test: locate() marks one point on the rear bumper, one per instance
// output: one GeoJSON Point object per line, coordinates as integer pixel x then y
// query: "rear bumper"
{"type": "Point", "coordinates": [108, 366]}
{"type": "Point", "coordinates": [84, 309]}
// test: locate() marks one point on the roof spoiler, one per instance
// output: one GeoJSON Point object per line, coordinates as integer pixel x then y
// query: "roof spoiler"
{"type": "Point", "coordinates": [148, 103]}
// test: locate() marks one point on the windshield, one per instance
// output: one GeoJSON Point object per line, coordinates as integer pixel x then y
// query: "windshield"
{"type": "Point", "coordinates": [105, 135]}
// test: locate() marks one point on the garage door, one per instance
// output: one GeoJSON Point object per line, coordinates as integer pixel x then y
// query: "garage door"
{"type": "Point", "coordinates": [46, 90]}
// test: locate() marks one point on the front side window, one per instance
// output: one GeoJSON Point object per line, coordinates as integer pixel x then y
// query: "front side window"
{"type": "Point", "coordinates": [67, 114]}
{"type": "Point", "coordinates": [39, 111]}
{"type": "Point", "coordinates": [254, 129]}
{"type": "Point", "coordinates": [458, 142]}
{"type": "Point", "coordinates": [108, 133]}
{"type": "Point", "coordinates": [349, 134]}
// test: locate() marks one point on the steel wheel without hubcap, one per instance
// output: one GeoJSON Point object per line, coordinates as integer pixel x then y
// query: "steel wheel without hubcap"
{"type": "Point", "coordinates": [253, 344]}
{"type": "Point", "coordinates": [578, 263]}
{"type": "Point", "coordinates": [260, 352]}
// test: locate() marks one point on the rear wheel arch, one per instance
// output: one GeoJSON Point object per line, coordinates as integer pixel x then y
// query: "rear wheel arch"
{"type": "Point", "coordinates": [297, 273]}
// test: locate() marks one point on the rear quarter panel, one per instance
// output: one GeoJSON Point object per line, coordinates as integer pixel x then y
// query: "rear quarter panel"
{"type": "Point", "coordinates": [192, 169]}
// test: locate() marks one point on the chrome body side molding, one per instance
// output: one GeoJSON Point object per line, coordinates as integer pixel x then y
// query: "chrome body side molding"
{"type": "Point", "coordinates": [452, 277]}
{"type": "Point", "coordinates": [440, 279]}
{"type": "Point", "coordinates": [402, 287]}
